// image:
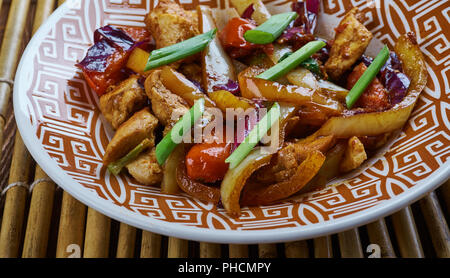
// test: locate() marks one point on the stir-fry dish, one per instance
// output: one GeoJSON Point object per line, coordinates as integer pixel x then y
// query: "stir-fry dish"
{"type": "Point", "coordinates": [327, 106]}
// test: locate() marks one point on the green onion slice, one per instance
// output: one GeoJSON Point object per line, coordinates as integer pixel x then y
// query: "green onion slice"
{"type": "Point", "coordinates": [270, 30]}
{"type": "Point", "coordinates": [179, 130]}
{"type": "Point", "coordinates": [292, 61]}
{"type": "Point", "coordinates": [116, 167]}
{"type": "Point", "coordinates": [254, 136]}
{"type": "Point", "coordinates": [179, 51]}
{"type": "Point", "coordinates": [367, 77]}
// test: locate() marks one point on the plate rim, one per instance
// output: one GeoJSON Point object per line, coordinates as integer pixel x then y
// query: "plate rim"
{"type": "Point", "coordinates": [121, 214]}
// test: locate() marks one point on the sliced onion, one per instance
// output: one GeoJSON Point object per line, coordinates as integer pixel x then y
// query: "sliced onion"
{"type": "Point", "coordinates": [217, 67]}
{"type": "Point", "coordinates": [252, 87]}
{"type": "Point", "coordinates": [334, 91]}
{"type": "Point", "coordinates": [178, 84]}
{"type": "Point", "coordinates": [169, 184]}
{"type": "Point", "coordinates": [235, 179]}
{"type": "Point", "coordinates": [259, 195]}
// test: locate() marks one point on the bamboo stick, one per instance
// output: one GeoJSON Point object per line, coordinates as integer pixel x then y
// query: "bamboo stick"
{"type": "Point", "coordinates": [71, 226]}
{"type": "Point", "coordinates": [7, 123]}
{"type": "Point", "coordinates": [323, 247]}
{"type": "Point", "coordinates": [210, 250]}
{"type": "Point", "coordinates": [11, 48]}
{"type": "Point", "coordinates": [267, 251]}
{"type": "Point", "coordinates": [6, 149]}
{"type": "Point", "coordinates": [297, 249]}
{"type": "Point", "coordinates": [2, 129]}
{"type": "Point", "coordinates": [126, 242]}
{"type": "Point", "coordinates": [39, 217]}
{"type": "Point", "coordinates": [350, 244]}
{"type": "Point", "coordinates": [150, 245]}
{"type": "Point", "coordinates": [406, 234]}
{"type": "Point", "coordinates": [1, 5]}
{"type": "Point", "coordinates": [238, 251]}
{"type": "Point", "coordinates": [9, 54]}
{"type": "Point", "coordinates": [54, 223]}
{"type": "Point", "coordinates": [96, 242]}
{"type": "Point", "coordinates": [445, 193]}
{"type": "Point", "coordinates": [16, 197]}
{"type": "Point", "coordinates": [44, 9]}
{"type": "Point", "coordinates": [177, 248]}
{"type": "Point", "coordinates": [436, 224]}
{"type": "Point", "coordinates": [378, 234]}
{"type": "Point", "coordinates": [40, 211]}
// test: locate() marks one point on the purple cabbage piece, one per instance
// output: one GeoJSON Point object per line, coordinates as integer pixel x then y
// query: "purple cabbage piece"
{"type": "Point", "coordinates": [248, 12]}
{"type": "Point", "coordinates": [308, 12]}
{"type": "Point", "coordinates": [301, 31]}
{"type": "Point", "coordinates": [393, 63]}
{"type": "Point", "coordinates": [107, 40]}
{"type": "Point", "coordinates": [392, 77]}
{"type": "Point", "coordinates": [232, 87]}
{"type": "Point", "coordinates": [114, 36]}
{"type": "Point", "coordinates": [366, 60]}
{"type": "Point", "coordinates": [394, 80]}
{"type": "Point", "coordinates": [313, 6]}
{"type": "Point", "coordinates": [96, 59]}
{"type": "Point", "coordinates": [397, 84]}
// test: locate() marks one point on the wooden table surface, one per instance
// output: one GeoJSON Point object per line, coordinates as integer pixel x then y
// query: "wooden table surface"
{"type": "Point", "coordinates": [46, 222]}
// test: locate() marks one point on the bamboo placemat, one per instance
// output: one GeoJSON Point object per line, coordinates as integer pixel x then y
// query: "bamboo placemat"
{"type": "Point", "coordinates": [41, 220]}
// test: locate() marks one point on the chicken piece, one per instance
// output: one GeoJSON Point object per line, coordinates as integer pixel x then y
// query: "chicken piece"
{"type": "Point", "coordinates": [169, 24]}
{"type": "Point", "coordinates": [354, 155]}
{"type": "Point", "coordinates": [118, 105]}
{"type": "Point", "coordinates": [145, 169]}
{"type": "Point", "coordinates": [288, 159]}
{"type": "Point", "coordinates": [167, 106]}
{"type": "Point", "coordinates": [130, 134]}
{"type": "Point", "coordinates": [351, 41]}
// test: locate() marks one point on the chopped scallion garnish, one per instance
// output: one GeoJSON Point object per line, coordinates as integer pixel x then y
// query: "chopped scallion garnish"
{"type": "Point", "coordinates": [270, 30]}
{"type": "Point", "coordinates": [254, 136]}
{"type": "Point", "coordinates": [312, 65]}
{"type": "Point", "coordinates": [179, 51]}
{"type": "Point", "coordinates": [287, 54]}
{"type": "Point", "coordinates": [179, 130]}
{"type": "Point", "coordinates": [116, 167]}
{"type": "Point", "coordinates": [292, 61]}
{"type": "Point", "coordinates": [368, 76]}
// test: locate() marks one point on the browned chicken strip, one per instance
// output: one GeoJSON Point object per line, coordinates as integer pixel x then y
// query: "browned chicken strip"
{"type": "Point", "coordinates": [167, 106]}
{"type": "Point", "coordinates": [118, 105]}
{"type": "Point", "coordinates": [169, 23]}
{"type": "Point", "coordinates": [287, 160]}
{"type": "Point", "coordinates": [351, 41]}
{"type": "Point", "coordinates": [145, 169]}
{"type": "Point", "coordinates": [130, 134]}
